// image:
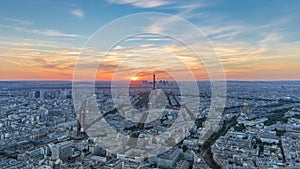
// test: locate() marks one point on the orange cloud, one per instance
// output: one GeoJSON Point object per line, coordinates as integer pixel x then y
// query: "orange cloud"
{"type": "Point", "coordinates": [48, 61]}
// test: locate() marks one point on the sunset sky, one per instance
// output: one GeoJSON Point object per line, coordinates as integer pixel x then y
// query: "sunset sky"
{"type": "Point", "coordinates": [254, 39]}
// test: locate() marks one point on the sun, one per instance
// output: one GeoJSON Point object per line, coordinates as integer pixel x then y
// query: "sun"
{"type": "Point", "coordinates": [134, 78]}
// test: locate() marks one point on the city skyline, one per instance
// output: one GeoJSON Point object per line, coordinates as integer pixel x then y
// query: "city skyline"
{"type": "Point", "coordinates": [255, 40]}
{"type": "Point", "coordinates": [164, 84]}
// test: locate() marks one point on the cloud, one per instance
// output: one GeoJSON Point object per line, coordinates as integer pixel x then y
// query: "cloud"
{"type": "Point", "coordinates": [141, 3]}
{"type": "Point", "coordinates": [185, 11]}
{"type": "Point", "coordinates": [268, 54]}
{"type": "Point", "coordinates": [33, 44]}
{"type": "Point", "coordinates": [241, 60]}
{"type": "Point", "coordinates": [54, 33]}
{"type": "Point", "coordinates": [161, 24]}
{"type": "Point", "coordinates": [19, 21]}
{"type": "Point", "coordinates": [78, 13]}
{"type": "Point", "coordinates": [44, 32]}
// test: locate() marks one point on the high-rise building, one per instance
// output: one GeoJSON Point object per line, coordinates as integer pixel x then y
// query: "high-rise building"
{"type": "Point", "coordinates": [154, 82]}
{"type": "Point", "coordinates": [61, 150]}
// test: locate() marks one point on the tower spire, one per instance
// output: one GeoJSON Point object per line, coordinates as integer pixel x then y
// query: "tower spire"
{"type": "Point", "coordinates": [154, 81]}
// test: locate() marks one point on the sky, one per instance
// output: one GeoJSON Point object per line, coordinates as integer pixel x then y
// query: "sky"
{"type": "Point", "coordinates": [48, 39]}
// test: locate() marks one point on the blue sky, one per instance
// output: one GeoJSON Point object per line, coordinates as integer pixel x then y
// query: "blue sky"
{"type": "Point", "coordinates": [57, 15]}
{"type": "Point", "coordinates": [262, 35]}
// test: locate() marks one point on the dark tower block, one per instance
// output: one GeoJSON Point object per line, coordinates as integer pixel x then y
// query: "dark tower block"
{"type": "Point", "coordinates": [154, 82]}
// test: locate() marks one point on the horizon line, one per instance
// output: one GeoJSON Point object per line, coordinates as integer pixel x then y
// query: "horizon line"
{"type": "Point", "coordinates": [60, 80]}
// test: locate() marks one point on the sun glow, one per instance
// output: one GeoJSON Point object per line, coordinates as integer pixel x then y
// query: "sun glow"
{"type": "Point", "coordinates": [133, 78]}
